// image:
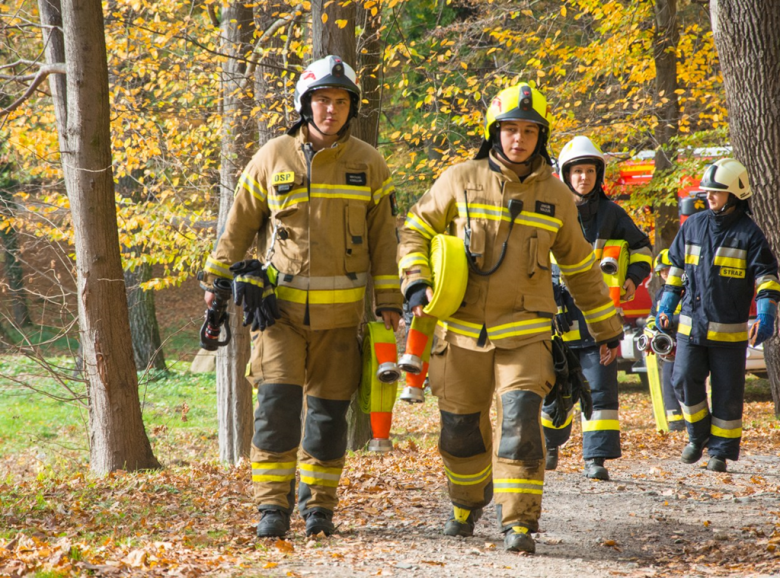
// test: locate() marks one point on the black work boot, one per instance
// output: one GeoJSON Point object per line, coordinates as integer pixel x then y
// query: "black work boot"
{"type": "Point", "coordinates": [319, 522]}
{"type": "Point", "coordinates": [595, 470]}
{"type": "Point", "coordinates": [518, 539]}
{"type": "Point", "coordinates": [716, 464]}
{"type": "Point", "coordinates": [692, 453]}
{"type": "Point", "coordinates": [273, 524]}
{"type": "Point", "coordinates": [462, 522]}
{"type": "Point", "coordinates": [551, 461]}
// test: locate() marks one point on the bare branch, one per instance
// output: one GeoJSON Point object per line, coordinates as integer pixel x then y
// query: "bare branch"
{"type": "Point", "coordinates": [213, 16]}
{"type": "Point", "coordinates": [18, 63]}
{"type": "Point", "coordinates": [44, 71]}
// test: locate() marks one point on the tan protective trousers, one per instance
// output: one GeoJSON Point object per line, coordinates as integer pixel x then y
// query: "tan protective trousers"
{"type": "Point", "coordinates": [305, 382]}
{"type": "Point", "coordinates": [465, 382]}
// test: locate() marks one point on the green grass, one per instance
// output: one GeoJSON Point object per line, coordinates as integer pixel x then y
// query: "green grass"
{"type": "Point", "coordinates": [37, 411]}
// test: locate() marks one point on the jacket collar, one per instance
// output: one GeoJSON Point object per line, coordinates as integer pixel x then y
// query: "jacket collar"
{"type": "Point", "coordinates": [301, 137]}
{"type": "Point", "coordinates": [540, 170]}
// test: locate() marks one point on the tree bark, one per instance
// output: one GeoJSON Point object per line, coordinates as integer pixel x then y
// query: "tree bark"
{"type": "Point", "coordinates": [369, 70]}
{"type": "Point", "coordinates": [145, 331]}
{"type": "Point", "coordinates": [117, 436]}
{"type": "Point", "coordinates": [234, 392]}
{"type": "Point", "coordinates": [747, 36]}
{"type": "Point", "coordinates": [667, 221]}
{"type": "Point", "coordinates": [13, 268]}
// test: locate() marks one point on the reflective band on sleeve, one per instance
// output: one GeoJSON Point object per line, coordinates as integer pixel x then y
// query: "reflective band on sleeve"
{"type": "Point", "coordinates": [574, 333]}
{"type": "Point", "coordinates": [468, 479]}
{"type": "Point", "coordinates": [643, 255]}
{"type": "Point", "coordinates": [675, 277]}
{"type": "Point", "coordinates": [767, 283]}
{"type": "Point", "coordinates": [386, 189]}
{"type": "Point", "coordinates": [692, 253]}
{"type": "Point", "coordinates": [601, 420]}
{"type": "Point", "coordinates": [216, 268]}
{"type": "Point", "coordinates": [294, 197]}
{"type": "Point", "coordinates": [382, 282]}
{"type": "Point", "coordinates": [696, 412]}
{"type": "Point", "coordinates": [528, 327]}
{"type": "Point", "coordinates": [415, 223]}
{"type": "Point", "coordinates": [581, 267]}
{"type": "Point", "coordinates": [251, 186]}
{"type": "Point", "coordinates": [547, 420]}
{"type": "Point", "coordinates": [517, 486]}
{"type": "Point", "coordinates": [319, 476]}
{"type": "Point", "coordinates": [599, 313]}
{"type": "Point", "coordinates": [273, 471]}
{"type": "Point", "coordinates": [684, 326]}
{"type": "Point", "coordinates": [413, 259]}
{"type": "Point", "coordinates": [726, 429]}
{"type": "Point", "coordinates": [461, 327]}
{"type": "Point", "coordinates": [730, 257]}
{"type": "Point", "coordinates": [731, 332]}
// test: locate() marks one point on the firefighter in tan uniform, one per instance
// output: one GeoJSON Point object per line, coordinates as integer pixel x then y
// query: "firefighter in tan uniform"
{"type": "Point", "coordinates": [511, 213]}
{"type": "Point", "coordinates": [321, 204]}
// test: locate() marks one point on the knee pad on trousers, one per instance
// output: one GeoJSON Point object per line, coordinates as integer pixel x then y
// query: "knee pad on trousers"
{"type": "Point", "coordinates": [325, 436]}
{"type": "Point", "coordinates": [521, 434]}
{"type": "Point", "coordinates": [460, 435]}
{"type": "Point", "coordinates": [278, 417]}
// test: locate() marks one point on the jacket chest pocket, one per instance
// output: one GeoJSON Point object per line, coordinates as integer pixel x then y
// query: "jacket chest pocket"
{"type": "Point", "coordinates": [538, 274]}
{"type": "Point", "coordinates": [538, 254]}
{"type": "Point", "coordinates": [356, 241]}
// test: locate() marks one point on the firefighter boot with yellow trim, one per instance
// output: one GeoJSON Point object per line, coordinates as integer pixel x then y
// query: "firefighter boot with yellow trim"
{"type": "Point", "coordinates": [462, 522]}
{"type": "Point", "coordinates": [319, 521]}
{"type": "Point", "coordinates": [518, 539]}
{"type": "Point", "coordinates": [273, 523]}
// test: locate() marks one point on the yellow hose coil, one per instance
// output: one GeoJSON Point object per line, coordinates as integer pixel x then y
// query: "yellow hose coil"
{"type": "Point", "coordinates": [450, 275]}
{"type": "Point", "coordinates": [374, 395]}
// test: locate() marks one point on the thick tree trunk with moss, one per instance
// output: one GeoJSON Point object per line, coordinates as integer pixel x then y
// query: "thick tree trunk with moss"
{"type": "Point", "coordinates": [747, 36]}
{"type": "Point", "coordinates": [117, 436]}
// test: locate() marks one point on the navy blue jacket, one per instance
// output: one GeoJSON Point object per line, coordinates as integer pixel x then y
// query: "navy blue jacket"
{"type": "Point", "coordinates": [719, 261]}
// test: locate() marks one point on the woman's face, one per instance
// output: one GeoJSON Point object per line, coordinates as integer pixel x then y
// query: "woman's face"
{"type": "Point", "coordinates": [716, 199]}
{"type": "Point", "coordinates": [583, 178]}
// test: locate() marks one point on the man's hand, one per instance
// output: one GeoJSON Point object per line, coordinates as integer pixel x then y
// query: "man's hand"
{"type": "Point", "coordinates": [607, 354]}
{"type": "Point", "coordinates": [391, 319]}
{"type": "Point", "coordinates": [417, 310]}
{"type": "Point", "coordinates": [630, 289]}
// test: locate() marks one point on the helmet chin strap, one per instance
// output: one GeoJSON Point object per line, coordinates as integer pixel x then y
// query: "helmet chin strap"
{"type": "Point", "coordinates": [732, 202]}
{"type": "Point", "coordinates": [500, 152]}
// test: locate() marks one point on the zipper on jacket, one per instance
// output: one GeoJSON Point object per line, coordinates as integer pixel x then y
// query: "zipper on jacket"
{"type": "Point", "coordinates": [308, 153]}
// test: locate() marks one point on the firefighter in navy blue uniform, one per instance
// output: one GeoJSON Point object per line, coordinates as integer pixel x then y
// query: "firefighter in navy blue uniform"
{"type": "Point", "coordinates": [511, 214]}
{"type": "Point", "coordinates": [719, 259]}
{"type": "Point", "coordinates": [674, 417]}
{"type": "Point", "coordinates": [582, 169]}
{"type": "Point", "coordinates": [320, 203]}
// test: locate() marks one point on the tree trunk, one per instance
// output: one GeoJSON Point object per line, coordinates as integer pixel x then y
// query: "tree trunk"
{"type": "Point", "coordinates": [13, 269]}
{"type": "Point", "coordinates": [145, 331]}
{"type": "Point", "coordinates": [234, 392]}
{"type": "Point", "coordinates": [747, 36]}
{"type": "Point", "coordinates": [369, 69]}
{"type": "Point", "coordinates": [117, 436]}
{"type": "Point", "coordinates": [667, 221]}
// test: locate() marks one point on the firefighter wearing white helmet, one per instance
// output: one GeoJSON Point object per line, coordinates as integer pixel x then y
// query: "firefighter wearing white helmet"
{"type": "Point", "coordinates": [510, 213]}
{"type": "Point", "coordinates": [720, 259]}
{"type": "Point", "coordinates": [582, 169]}
{"type": "Point", "coordinates": [321, 204]}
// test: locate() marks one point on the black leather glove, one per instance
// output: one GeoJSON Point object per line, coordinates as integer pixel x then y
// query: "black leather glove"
{"type": "Point", "coordinates": [560, 400]}
{"type": "Point", "coordinates": [253, 290]}
{"type": "Point", "coordinates": [416, 296]}
{"type": "Point", "coordinates": [564, 318]}
{"type": "Point", "coordinates": [580, 388]}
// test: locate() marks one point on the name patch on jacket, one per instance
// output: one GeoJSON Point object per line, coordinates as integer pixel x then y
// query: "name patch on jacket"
{"type": "Point", "coordinates": [545, 208]}
{"type": "Point", "coordinates": [732, 272]}
{"type": "Point", "coordinates": [283, 182]}
{"type": "Point", "coordinates": [357, 179]}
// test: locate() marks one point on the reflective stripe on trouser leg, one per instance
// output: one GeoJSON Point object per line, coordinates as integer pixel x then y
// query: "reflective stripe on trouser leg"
{"type": "Point", "coordinates": [333, 368]}
{"type": "Point", "coordinates": [466, 441]}
{"type": "Point", "coordinates": [727, 384]}
{"type": "Point", "coordinates": [523, 377]}
{"type": "Point", "coordinates": [601, 433]}
{"type": "Point", "coordinates": [671, 403]}
{"type": "Point", "coordinates": [691, 368]}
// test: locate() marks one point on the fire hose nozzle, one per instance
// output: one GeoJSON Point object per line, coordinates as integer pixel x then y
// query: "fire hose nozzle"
{"type": "Point", "coordinates": [412, 395]}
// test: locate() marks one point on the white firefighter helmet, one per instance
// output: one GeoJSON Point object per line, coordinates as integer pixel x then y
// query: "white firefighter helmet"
{"type": "Point", "coordinates": [328, 72]}
{"type": "Point", "coordinates": [728, 175]}
{"type": "Point", "coordinates": [580, 149]}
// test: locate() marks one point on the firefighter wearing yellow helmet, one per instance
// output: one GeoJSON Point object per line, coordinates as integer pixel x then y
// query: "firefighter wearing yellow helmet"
{"type": "Point", "coordinates": [321, 205]}
{"type": "Point", "coordinates": [720, 259]}
{"type": "Point", "coordinates": [510, 213]}
{"type": "Point", "coordinates": [604, 224]}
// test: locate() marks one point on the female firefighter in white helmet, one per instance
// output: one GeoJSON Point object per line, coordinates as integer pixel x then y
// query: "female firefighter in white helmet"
{"type": "Point", "coordinates": [511, 213]}
{"type": "Point", "coordinates": [582, 169]}
{"type": "Point", "coordinates": [321, 203]}
{"type": "Point", "coordinates": [719, 258]}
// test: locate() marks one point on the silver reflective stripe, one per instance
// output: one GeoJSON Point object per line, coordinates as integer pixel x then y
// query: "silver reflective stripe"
{"type": "Point", "coordinates": [727, 424]}
{"type": "Point", "coordinates": [541, 325]}
{"type": "Point", "coordinates": [766, 279]}
{"type": "Point", "coordinates": [731, 253]}
{"type": "Point", "coordinates": [599, 243]}
{"type": "Point", "coordinates": [602, 414]}
{"type": "Point", "coordinates": [692, 409]}
{"type": "Point", "coordinates": [497, 486]}
{"type": "Point", "coordinates": [726, 327]}
{"type": "Point", "coordinates": [693, 250]}
{"type": "Point", "coordinates": [676, 272]}
{"type": "Point", "coordinates": [685, 320]}
{"type": "Point", "coordinates": [322, 283]}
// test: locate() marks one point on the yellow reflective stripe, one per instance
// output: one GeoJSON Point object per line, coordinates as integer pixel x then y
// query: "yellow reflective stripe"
{"type": "Point", "coordinates": [314, 475]}
{"type": "Point", "coordinates": [461, 327]}
{"type": "Point", "coordinates": [291, 294]}
{"type": "Point", "coordinates": [599, 313]}
{"type": "Point", "coordinates": [580, 267]}
{"type": "Point", "coordinates": [468, 479]}
{"type": "Point", "coordinates": [280, 202]}
{"type": "Point", "coordinates": [726, 428]}
{"type": "Point", "coordinates": [642, 255]}
{"type": "Point", "coordinates": [217, 268]}
{"type": "Point", "coordinates": [547, 420]}
{"type": "Point", "coordinates": [387, 282]}
{"type": "Point", "coordinates": [412, 259]}
{"type": "Point", "coordinates": [493, 213]}
{"type": "Point", "coordinates": [537, 220]}
{"type": "Point", "coordinates": [415, 223]}
{"type": "Point", "coordinates": [527, 327]}
{"type": "Point", "coordinates": [351, 192]}
{"type": "Point", "coordinates": [273, 471]}
{"type": "Point", "coordinates": [601, 420]}
{"type": "Point", "coordinates": [386, 189]}
{"type": "Point", "coordinates": [252, 186]}
{"type": "Point", "coordinates": [765, 284]}
{"type": "Point", "coordinates": [321, 297]}
{"type": "Point", "coordinates": [695, 413]}
{"type": "Point", "coordinates": [684, 326]}
{"type": "Point", "coordinates": [675, 277]}
{"type": "Point", "coordinates": [257, 281]}
{"type": "Point", "coordinates": [517, 486]}
{"type": "Point", "coordinates": [672, 416]}
{"type": "Point", "coordinates": [692, 253]}
{"type": "Point", "coordinates": [730, 332]}
{"type": "Point", "coordinates": [730, 262]}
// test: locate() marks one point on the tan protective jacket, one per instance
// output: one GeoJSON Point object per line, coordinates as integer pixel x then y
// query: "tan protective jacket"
{"type": "Point", "coordinates": [334, 213]}
{"type": "Point", "coordinates": [514, 305]}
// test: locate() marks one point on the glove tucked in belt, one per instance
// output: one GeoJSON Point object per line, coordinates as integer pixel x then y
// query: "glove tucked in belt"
{"type": "Point", "coordinates": [252, 288]}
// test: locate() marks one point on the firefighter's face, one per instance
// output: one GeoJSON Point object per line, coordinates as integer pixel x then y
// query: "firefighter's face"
{"type": "Point", "coordinates": [716, 199]}
{"type": "Point", "coordinates": [330, 109]}
{"type": "Point", "coordinates": [583, 178]}
{"type": "Point", "coordinates": [519, 139]}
